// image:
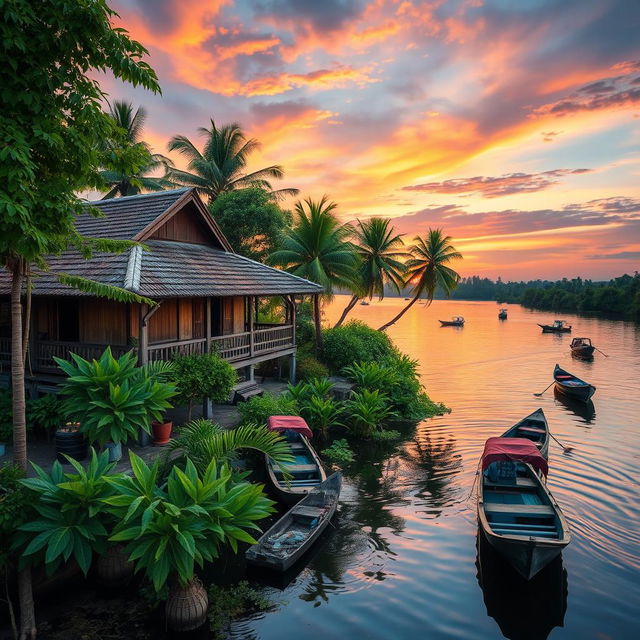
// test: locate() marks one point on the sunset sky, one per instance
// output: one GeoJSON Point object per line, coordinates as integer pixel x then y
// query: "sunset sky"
{"type": "Point", "coordinates": [512, 124]}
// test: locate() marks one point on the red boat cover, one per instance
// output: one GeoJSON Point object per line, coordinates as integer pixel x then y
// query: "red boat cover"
{"type": "Point", "coordinates": [294, 423]}
{"type": "Point", "coordinates": [521, 449]}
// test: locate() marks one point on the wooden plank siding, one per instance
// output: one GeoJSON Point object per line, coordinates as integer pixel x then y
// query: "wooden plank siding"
{"type": "Point", "coordinates": [185, 226]}
{"type": "Point", "coordinates": [103, 322]}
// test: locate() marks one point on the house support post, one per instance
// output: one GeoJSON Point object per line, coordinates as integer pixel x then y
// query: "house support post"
{"type": "Point", "coordinates": [143, 342]}
{"type": "Point", "coordinates": [251, 329]}
{"type": "Point", "coordinates": [207, 405]}
{"type": "Point", "coordinates": [293, 363]}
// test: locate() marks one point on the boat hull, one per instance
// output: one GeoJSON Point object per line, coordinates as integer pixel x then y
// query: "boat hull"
{"type": "Point", "coordinates": [446, 323]}
{"type": "Point", "coordinates": [538, 419]}
{"type": "Point", "coordinates": [584, 351]}
{"type": "Point", "coordinates": [583, 394]}
{"type": "Point", "coordinates": [547, 328]}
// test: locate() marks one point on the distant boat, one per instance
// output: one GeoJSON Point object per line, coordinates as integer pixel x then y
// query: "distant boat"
{"type": "Point", "coordinates": [456, 321]}
{"type": "Point", "coordinates": [558, 326]}
{"type": "Point", "coordinates": [572, 386]}
{"type": "Point", "coordinates": [407, 298]}
{"type": "Point", "coordinates": [306, 472]}
{"type": "Point", "coordinates": [582, 347]}
{"type": "Point", "coordinates": [364, 303]}
{"type": "Point", "coordinates": [502, 314]}
{"type": "Point", "coordinates": [535, 428]}
{"type": "Point", "coordinates": [292, 536]}
{"type": "Point", "coordinates": [518, 516]}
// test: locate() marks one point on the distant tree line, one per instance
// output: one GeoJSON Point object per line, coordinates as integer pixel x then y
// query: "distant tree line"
{"type": "Point", "coordinates": [619, 297]}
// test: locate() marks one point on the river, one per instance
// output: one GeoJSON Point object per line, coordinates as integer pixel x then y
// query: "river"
{"type": "Point", "coordinates": [402, 560]}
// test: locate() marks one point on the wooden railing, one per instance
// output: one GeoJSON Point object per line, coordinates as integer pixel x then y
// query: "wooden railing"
{"type": "Point", "coordinates": [235, 347]}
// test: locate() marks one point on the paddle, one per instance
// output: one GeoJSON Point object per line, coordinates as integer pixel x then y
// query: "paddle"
{"type": "Point", "coordinates": [539, 394]}
{"type": "Point", "coordinates": [602, 352]}
{"type": "Point", "coordinates": [565, 449]}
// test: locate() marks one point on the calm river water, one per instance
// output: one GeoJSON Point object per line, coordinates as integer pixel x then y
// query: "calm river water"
{"type": "Point", "coordinates": [402, 561]}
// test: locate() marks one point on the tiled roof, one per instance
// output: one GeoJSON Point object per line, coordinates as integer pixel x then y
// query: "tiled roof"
{"type": "Point", "coordinates": [171, 269]}
{"type": "Point", "coordinates": [168, 270]}
{"type": "Point", "coordinates": [125, 217]}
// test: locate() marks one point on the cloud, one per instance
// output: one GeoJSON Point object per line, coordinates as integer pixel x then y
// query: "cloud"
{"type": "Point", "coordinates": [620, 255]}
{"type": "Point", "coordinates": [325, 15]}
{"type": "Point", "coordinates": [496, 187]}
{"type": "Point", "coordinates": [615, 92]}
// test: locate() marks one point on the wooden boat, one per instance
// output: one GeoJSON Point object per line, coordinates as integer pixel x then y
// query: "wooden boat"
{"type": "Point", "coordinates": [572, 386]}
{"type": "Point", "coordinates": [364, 303]}
{"type": "Point", "coordinates": [518, 516]}
{"type": "Point", "coordinates": [302, 475]}
{"type": "Point", "coordinates": [535, 428]}
{"type": "Point", "coordinates": [502, 314]}
{"type": "Point", "coordinates": [456, 321]}
{"type": "Point", "coordinates": [558, 326]}
{"type": "Point", "coordinates": [292, 536]}
{"type": "Point", "coordinates": [582, 347]}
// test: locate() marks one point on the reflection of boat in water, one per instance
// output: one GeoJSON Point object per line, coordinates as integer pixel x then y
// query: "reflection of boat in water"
{"type": "Point", "coordinates": [584, 410]}
{"type": "Point", "coordinates": [502, 314]}
{"type": "Point", "coordinates": [518, 515]}
{"type": "Point", "coordinates": [523, 609]}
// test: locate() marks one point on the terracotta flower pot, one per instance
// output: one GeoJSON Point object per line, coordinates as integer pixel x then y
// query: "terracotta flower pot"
{"type": "Point", "coordinates": [114, 568]}
{"type": "Point", "coordinates": [161, 432]}
{"type": "Point", "coordinates": [186, 606]}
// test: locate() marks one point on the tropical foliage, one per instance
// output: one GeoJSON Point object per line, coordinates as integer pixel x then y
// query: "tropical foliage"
{"type": "Point", "coordinates": [201, 376]}
{"type": "Point", "coordinates": [428, 269]}
{"type": "Point", "coordinates": [319, 249]}
{"type": "Point", "coordinates": [202, 441]}
{"type": "Point", "coordinates": [354, 342]}
{"type": "Point", "coordinates": [45, 413]}
{"type": "Point", "coordinates": [251, 221]}
{"type": "Point", "coordinates": [113, 398]}
{"type": "Point", "coordinates": [380, 251]}
{"type": "Point", "coordinates": [127, 160]}
{"type": "Point", "coordinates": [256, 410]}
{"type": "Point", "coordinates": [15, 507]}
{"type": "Point", "coordinates": [170, 528]}
{"type": "Point", "coordinates": [71, 521]}
{"type": "Point", "coordinates": [368, 411]}
{"type": "Point", "coordinates": [339, 452]}
{"type": "Point", "coordinates": [221, 166]}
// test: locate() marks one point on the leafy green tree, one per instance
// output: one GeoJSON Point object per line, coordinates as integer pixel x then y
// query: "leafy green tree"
{"type": "Point", "coordinates": [380, 251]}
{"type": "Point", "coordinates": [251, 220]}
{"type": "Point", "coordinates": [51, 125]}
{"type": "Point", "coordinates": [221, 166]}
{"type": "Point", "coordinates": [319, 249]}
{"type": "Point", "coordinates": [428, 269]}
{"type": "Point", "coordinates": [128, 160]}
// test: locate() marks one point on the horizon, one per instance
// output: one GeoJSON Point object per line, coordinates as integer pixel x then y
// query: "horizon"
{"type": "Point", "coordinates": [515, 130]}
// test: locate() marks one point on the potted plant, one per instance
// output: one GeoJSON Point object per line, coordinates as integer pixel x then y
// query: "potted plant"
{"type": "Point", "coordinates": [169, 528]}
{"type": "Point", "coordinates": [161, 430]}
{"type": "Point", "coordinates": [114, 398]}
{"type": "Point", "coordinates": [45, 414]}
{"type": "Point", "coordinates": [70, 443]}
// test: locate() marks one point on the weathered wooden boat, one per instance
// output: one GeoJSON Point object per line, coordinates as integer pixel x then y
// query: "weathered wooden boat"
{"type": "Point", "coordinates": [292, 536]}
{"type": "Point", "coordinates": [523, 609]}
{"type": "Point", "coordinates": [292, 481]}
{"type": "Point", "coordinates": [518, 516]}
{"type": "Point", "coordinates": [572, 386]}
{"type": "Point", "coordinates": [502, 314]}
{"type": "Point", "coordinates": [582, 347]}
{"type": "Point", "coordinates": [558, 326]}
{"type": "Point", "coordinates": [456, 321]}
{"type": "Point", "coordinates": [535, 428]}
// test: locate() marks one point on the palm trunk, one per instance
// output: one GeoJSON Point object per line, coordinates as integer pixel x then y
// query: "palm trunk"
{"type": "Point", "coordinates": [394, 320]}
{"type": "Point", "coordinates": [25, 591]}
{"type": "Point", "coordinates": [318, 322]}
{"type": "Point", "coordinates": [352, 303]}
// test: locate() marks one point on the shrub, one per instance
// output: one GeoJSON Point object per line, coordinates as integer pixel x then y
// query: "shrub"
{"type": "Point", "coordinates": [202, 376]}
{"type": "Point", "coordinates": [368, 411]}
{"type": "Point", "coordinates": [45, 413]}
{"type": "Point", "coordinates": [320, 387]}
{"type": "Point", "coordinates": [310, 367]}
{"type": "Point", "coordinates": [113, 398]}
{"type": "Point", "coordinates": [354, 342]}
{"type": "Point", "coordinates": [71, 514]}
{"type": "Point", "coordinates": [339, 452]}
{"type": "Point", "coordinates": [15, 506]}
{"type": "Point", "coordinates": [371, 376]}
{"type": "Point", "coordinates": [386, 436]}
{"type": "Point", "coordinates": [256, 410]}
{"type": "Point", "coordinates": [230, 603]}
{"type": "Point", "coordinates": [322, 413]}
{"type": "Point", "coordinates": [298, 393]}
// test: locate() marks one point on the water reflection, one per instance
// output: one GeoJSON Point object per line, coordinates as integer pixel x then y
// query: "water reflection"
{"type": "Point", "coordinates": [523, 609]}
{"type": "Point", "coordinates": [584, 410]}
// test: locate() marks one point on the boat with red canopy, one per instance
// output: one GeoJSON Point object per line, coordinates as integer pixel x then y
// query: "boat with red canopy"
{"type": "Point", "coordinates": [292, 481]}
{"type": "Point", "coordinates": [517, 513]}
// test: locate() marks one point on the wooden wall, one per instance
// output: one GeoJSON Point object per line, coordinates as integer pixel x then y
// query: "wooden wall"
{"type": "Point", "coordinates": [103, 322]}
{"type": "Point", "coordinates": [186, 226]}
{"type": "Point", "coordinates": [181, 319]}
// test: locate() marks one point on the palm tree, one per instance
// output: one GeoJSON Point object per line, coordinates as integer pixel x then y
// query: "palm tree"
{"type": "Point", "coordinates": [221, 165]}
{"type": "Point", "coordinates": [379, 251]}
{"type": "Point", "coordinates": [427, 269]}
{"type": "Point", "coordinates": [202, 441]}
{"type": "Point", "coordinates": [318, 249]}
{"type": "Point", "coordinates": [128, 159]}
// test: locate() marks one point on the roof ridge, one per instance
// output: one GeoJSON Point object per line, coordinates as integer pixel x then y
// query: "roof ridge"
{"type": "Point", "coordinates": [164, 192]}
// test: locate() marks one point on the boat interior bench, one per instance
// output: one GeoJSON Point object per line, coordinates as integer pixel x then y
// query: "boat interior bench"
{"type": "Point", "coordinates": [519, 482]}
{"type": "Point", "coordinates": [519, 509]}
{"type": "Point", "coordinates": [307, 513]}
{"type": "Point", "coordinates": [298, 471]}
